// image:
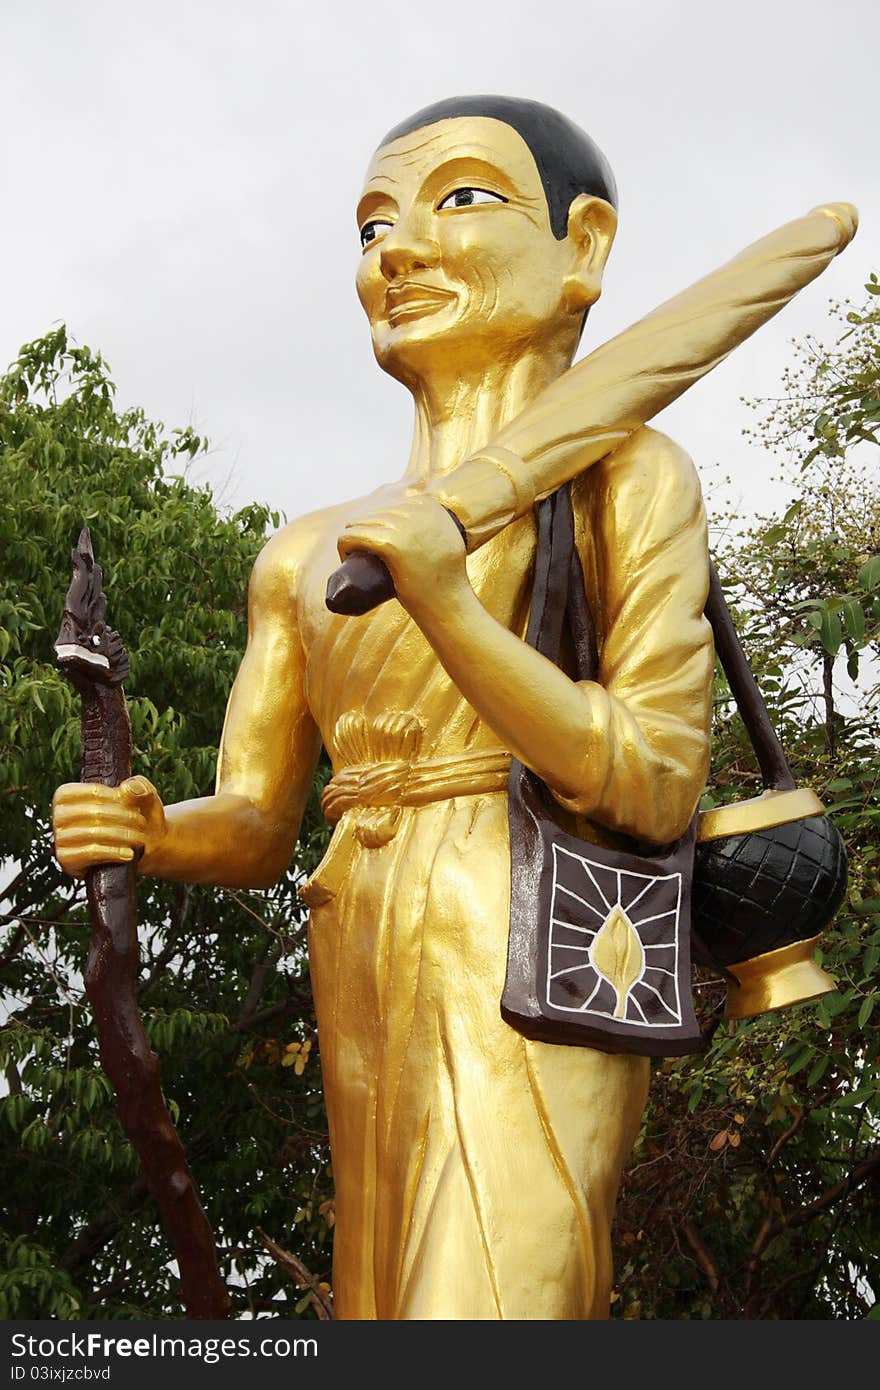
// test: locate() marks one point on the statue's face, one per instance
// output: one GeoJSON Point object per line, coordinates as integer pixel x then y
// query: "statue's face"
{"type": "Point", "coordinates": [460, 265]}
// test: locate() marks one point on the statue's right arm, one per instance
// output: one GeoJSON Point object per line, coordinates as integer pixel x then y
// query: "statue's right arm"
{"type": "Point", "coordinates": [243, 835]}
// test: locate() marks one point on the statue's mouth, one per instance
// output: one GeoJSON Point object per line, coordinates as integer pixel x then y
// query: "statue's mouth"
{"type": "Point", "coordinates": [409, 300]}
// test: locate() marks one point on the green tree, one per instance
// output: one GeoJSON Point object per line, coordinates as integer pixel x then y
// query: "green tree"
{"type": "Point", "coordinates": [223, 982]}
{"type": "Point", "coordinates": [753, 1191]}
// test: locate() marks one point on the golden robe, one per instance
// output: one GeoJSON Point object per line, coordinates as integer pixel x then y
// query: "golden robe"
{"type": "Point", "coordinates": [476, 1172]}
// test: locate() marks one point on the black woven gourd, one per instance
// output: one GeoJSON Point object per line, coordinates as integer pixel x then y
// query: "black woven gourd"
{"type": "Point", "coordinates": [764, 889]}
{"type": "Point", "coordinates": [757, 892]}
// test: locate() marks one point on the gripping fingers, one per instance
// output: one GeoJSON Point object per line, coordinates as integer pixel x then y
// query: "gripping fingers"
{"type": "Point", "coordinates": [89, 796]}
{"type": "Point", "coordinates": [72, 814]}
{"type": "Point", "coordinates": [76, 861]}
{"type": "Point", "coordinates": [77, 835]}
{"type": "Point", "coordinates": [80, 847]}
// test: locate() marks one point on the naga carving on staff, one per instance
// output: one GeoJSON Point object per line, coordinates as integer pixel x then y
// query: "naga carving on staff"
{"type": "Point", "coordinates": [93, 656]}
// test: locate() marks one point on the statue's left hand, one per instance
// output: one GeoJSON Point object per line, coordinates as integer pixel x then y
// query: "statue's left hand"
{"type": "Point", "coordinates": [421, 545]}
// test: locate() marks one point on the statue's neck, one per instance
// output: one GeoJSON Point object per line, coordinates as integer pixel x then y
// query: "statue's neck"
{"type": "Point", "coordinates": [456, 419]}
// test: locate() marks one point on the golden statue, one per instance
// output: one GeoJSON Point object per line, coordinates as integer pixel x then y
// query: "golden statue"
{"type": "Point", "coordinates": [476, 1171]}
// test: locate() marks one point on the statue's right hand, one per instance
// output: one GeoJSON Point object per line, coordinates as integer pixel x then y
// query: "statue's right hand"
{"type": "Point", "coordinates": [94, 824]}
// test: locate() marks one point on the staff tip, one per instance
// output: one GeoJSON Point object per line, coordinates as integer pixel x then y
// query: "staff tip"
{"type": "Point", "coordinates": [84, 544]}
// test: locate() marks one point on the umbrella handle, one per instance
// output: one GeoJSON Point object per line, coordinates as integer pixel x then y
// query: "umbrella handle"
{"type": "Point", "coordinates": [363, 581]}
{"type": "Point", "coordinates": [360, 583]}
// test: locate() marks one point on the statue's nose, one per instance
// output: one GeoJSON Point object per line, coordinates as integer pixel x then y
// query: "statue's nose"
{"type": "Point", "coordinates": [406, 248]}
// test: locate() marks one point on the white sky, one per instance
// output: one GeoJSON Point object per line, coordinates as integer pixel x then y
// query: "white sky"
{"type": "Point", "coordinates": [180, 182]}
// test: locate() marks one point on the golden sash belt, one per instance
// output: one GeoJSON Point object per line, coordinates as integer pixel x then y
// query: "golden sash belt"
{"type": "Point", "coordinates": [369, 799]}
{"type": "Point", "coordinates": [389, 786]}
{"type": "Point", "coordinates": [405, 783]}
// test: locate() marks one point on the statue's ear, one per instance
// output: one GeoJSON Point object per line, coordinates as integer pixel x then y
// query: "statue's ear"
{"type": "Point", "coordinates": [591, 226]}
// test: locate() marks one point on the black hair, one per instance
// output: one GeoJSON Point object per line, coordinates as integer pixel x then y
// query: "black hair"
{"type": "Point", "coordinates": [568, 161]}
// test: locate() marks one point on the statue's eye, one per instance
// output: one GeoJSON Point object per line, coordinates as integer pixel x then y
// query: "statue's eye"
{"type": "Point", "coordinates": [467, 197]}
{"type": "Point", "coordinates": [372, 231]}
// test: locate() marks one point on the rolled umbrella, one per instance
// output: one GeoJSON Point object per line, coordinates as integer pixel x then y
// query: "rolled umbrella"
{"type": "Point", "coordinates": [600, 401]}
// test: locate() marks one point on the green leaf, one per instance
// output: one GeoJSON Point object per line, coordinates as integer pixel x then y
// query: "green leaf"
{"type": "Point", "coordinates": [854, 1098]}
{"type": "Point", "coordinates": [853, 616]}
{"type": "Point", "coordinates": [834, 1004]}
{"type": "Point", "coordinates": [831, 632]}
{"type": "Point", "coordinates": [800, 1061]}
{"type": "Point", "coordinates": [774, 535]}
{"type": "Point", "coordinates": [842, 805]}
{"type": "Point", "coordinates": [818, 1069]}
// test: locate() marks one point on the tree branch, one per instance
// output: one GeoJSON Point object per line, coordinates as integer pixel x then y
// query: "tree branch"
{"type": "Point", "coordinates": [838, 1217]}
{"type": "Point", "coordinates": [15, 945]}
{"type": "Point", "coordinates": [297, 1005]}
{"type": "Point", "coordinates": [92, 1238]}
{"type": "Point", "coordinates": [13, 1078]}
{"type": "Point", "coordinates": [265, 966]}
{"type": "Point", "coordinates": [828, 701]}
{"type": "Point", "coordinates": [303, 1277]}
{"type": "Point", "coordinates": [704, 1259]}
{"type": "Point", "coordinates": [21, 934]}
{"type": "Point", "coordinates": [159, 963]}
{"type": "Point", "coordinates": [783, 1284]}
{"type": "Point", "coordinates": [784, 1138]}
{"type": "Point", "coordinates": [802, 1215]}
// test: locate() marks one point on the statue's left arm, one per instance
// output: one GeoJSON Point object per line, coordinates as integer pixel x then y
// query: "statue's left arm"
{"type": "Point", "coordinates": [631, 750]}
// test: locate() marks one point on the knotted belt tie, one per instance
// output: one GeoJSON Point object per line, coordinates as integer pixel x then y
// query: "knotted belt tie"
{"type": "Point", "coordinates": [381, 773]}
{"type": "Point", "coordinates": [388, 787]}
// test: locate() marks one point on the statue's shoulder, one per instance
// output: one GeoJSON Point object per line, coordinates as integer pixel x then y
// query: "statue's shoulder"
{"type": "Point", "coordinates": [281, 563]}
{"type": "Point", "coordinates": [651, 457]}
{"type": "Point", "coordinates": [647, 467]}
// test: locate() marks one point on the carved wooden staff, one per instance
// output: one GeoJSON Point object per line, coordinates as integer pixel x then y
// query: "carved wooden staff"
{"type": "Point", "coordinates": [93, 656]}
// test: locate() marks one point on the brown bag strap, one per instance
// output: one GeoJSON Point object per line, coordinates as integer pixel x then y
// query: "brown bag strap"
{"type": "Point", "coordinates": [775, 771]}
{"type": "Point", "coordinates": [550, 587]}
{"type": "Point", "coordinates": [559, 597]}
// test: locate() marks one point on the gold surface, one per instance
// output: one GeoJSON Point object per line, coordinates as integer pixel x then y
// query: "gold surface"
{"type": "Point", "coordinates": [777, 979]}
{"type": "Point", "coordinates": [758, 813]}
{"type": "Point", "coordinates": [476, 1171]}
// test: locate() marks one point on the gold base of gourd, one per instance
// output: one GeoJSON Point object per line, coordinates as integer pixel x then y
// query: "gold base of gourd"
{"type": "Point", "coordinates": [776, 979]}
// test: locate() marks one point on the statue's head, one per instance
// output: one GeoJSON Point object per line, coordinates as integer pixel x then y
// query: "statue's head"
{"type": "Point", "coordinates": [486, 223]}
